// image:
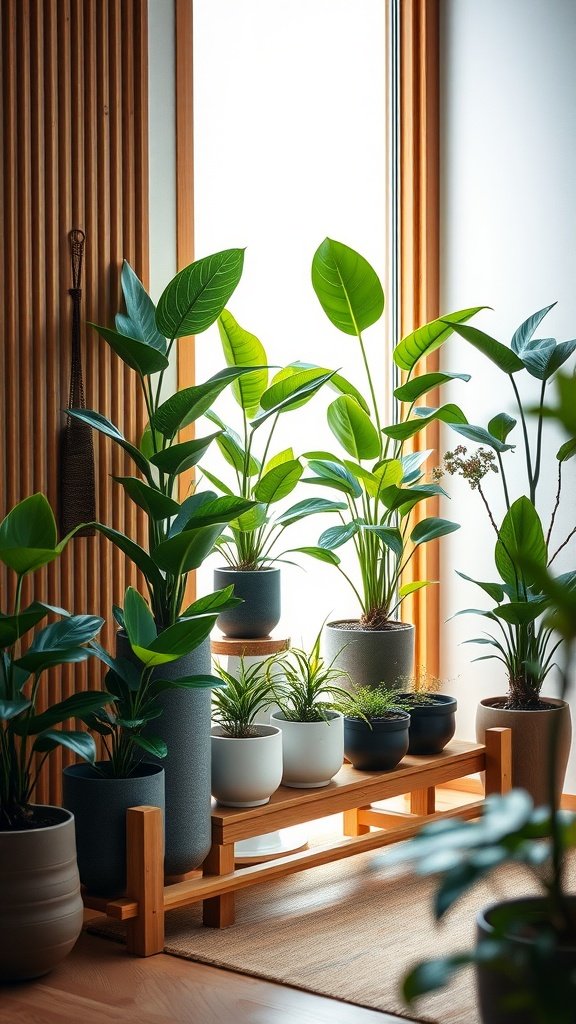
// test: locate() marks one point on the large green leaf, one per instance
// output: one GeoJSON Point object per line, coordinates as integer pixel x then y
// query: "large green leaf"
{"type": "Point", "coordinates": [348, 288]}
{"type": "Point", "coordinates": [481, 436]}
{"type": "Point", "coordinates": [561, 353]}
{"type": "Point", "coordinates": [69, 632]}
{"type": "Point", "coordinates": [520, 536]}
{"type": "Point", "coordinates": [278, 482]}
{"type": "Point", "coordinates": [429, 337]}
{"type": "Point", "coordinates": [501, 425]}
{"type": "Point", "coordinates": [155, 504]}
{"type": "Point", "coordinates": [219, 510]}
{"type": "Point", "coordinates": [244, 349]}
{"type": "Point", "coordinates": [187, 550]}
{"type": "Point", "coordinates": [138, 619]}
{"type": "Point", "coordinates": [504, 358]}
{"type": "Point", "coordinates": [251, 520]}
{"type": "Point", "coordinates": [10, 709]}
{"type": "Point", "coordinates": [567, 450]}
{"type": "Point", "coordinates": [494, 590]}
{"type": "Point", "coordinates": [320, 554]}
{"type": "Point", "coordinates": [418, 386]}
{"type": "Point", "coordinates": [432, 529]}
{"type": "Point", "coordinates": [141, 311]}
{"type": "Point", "coordinates": [28, 535]}
{"type": "Point", "coordinates": [332, 474]}
{"type": "Point", "coordinates": [180, 457]}
{"type": "Point", "coordinates": [537, 356]}
{"type": "Point", "coordinates": [80, 743]}
{"type": "Point", "coordinates": [188, 405]}
{"type": "Point", "coordinates": [309, 507]}
{"type": "Point", "coordinates": [446, 414]}
{"type": "Point", "coordinates": [38, 661]}
{"type": "Point", "coordinates": [216, 602]}
{"type": "Point", "coordinates": [12, 627]}
{"type": "Point", "coordinates": [353, 428]}
{"type": "Point", "coordinates": [135, 553]}
{"type": "Point", "coordinates": [336, 536]}
{"type": "Point", "coordinates": [336, 383]}
{"type": "Point", "coordinates": [389, 535]}
{"type": "Point", "coordinates": [231, 448]}
{"type": "Point", "coordinates": [523, 335]}
{"type": "Point", "coordinates": [195, 298]}
{"type": "Point", "coordinates": [521, 613]}
{"type": "Point", "coordinates": [290, 393]}
{"type": "Point", "coordinates": [76, 706]}
{"type": "Point", "coordinates": [138, 355]}
{"type": "Point", "coordinates": [104, 426]}
{"type": "Point", "coordinates": [176, 641]}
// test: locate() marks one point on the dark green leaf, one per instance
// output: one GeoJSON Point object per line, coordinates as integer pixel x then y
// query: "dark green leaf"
{"type": "Point", "coordinates": [138, 619]}
{"type": "Point", "coordinates": [390, 537]}
{"type": "Point", "coordinates": [155, 504]}
{"type": "Point", "coordinates": [219, 510]}
{"type": "Point", "coordinates": [418, 386]}
{"type": "Point", "coordinates": [12, 708]}
{"type": "Point", "coordinates": [446, 414]}
{"type": "Point", "coordinates": [189, 508]}
{"type": "Point", "coordinates": [76, 706]}
{"type": "Point", "coordinates": [433, 974]}
{"type": "Point", "coordinates": [521, 533]}
{"type": "Point", "coordinates": [141, 310]}
{"type": "Point", "coordinates": [519, 613]}
{"type": "Point", "coordinates": [561, 353]}
{"type": "Point", "coordinates": [481, 436]}
{"type": "Point", "coordinates": [537, 356]}
{"type": "Point", "coordinates": [28, 535]}
{"type": "Point", "coordinates": [151, 744]}
{"type": "Point", "coordinates": [567, 450]}
{"type": "Point", "coordinates": [70, 632]}
{"type": "Point", "coordinates": [135, 553]}
{"type": "Point", "coordinates": [186, 406]}
{"type": "Point", "coordinates": [187, 550]}
{"type": "Point", "coordinates": [501, 425]}
{"type": "Point", "coordinates": [336, 536]}
{"type": "Point", "coordinates": [38, 661]}
{"type": "Point", "coordinates": [504, 358]}
{"type": "Point", "coordinates": [332, 474]}
{"type": "Point", "coordinates": [321, 554]}
{"type": "Point", "coordinates": [138, 355]}
{"type": "Point", "coordinates": [12, 627]}
{"type": "Point", "coordinates": [104, 426]}
{"type": "Point", "coordinates": [429, 337]}
{"type": "Point", "coordinates": [180, 457]}
{"type": "Point", "coordinates": [195, 298]}
{"type": "Point", "coordinates": [347, 287]}
{"type": "Point", "coordinates": [80, 743]}
{"type": "Point", "coordinates": [494, 590]}
{"type": "Point", "coordinates": [432, 529]}
{"type": "Point", "coordinates": [216, 602]}
{"type": "Point", "coordinates": [308, 507]}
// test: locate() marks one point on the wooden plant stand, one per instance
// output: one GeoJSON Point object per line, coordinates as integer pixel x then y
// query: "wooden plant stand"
{"type": "Point", "coordinates": [352, 792]}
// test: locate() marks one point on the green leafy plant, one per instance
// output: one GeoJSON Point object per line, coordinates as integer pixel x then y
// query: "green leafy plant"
{"type": "Point", "coordinates": [261, 477]}
{"type": "Point", "coordinates": [420, 688]}
{"type": "Point", "coordinates": [134, 687]}
{"type": "Point", "coordinates": [521, 641]}
{"type": "Point", "coordinates": [28, 541]}
{"type": "Point", "coordinates": [512, 830]}
{"type": "Point", "coordinates": [372, 704]}
{"type": "Point", "coordinates": [180, 534]}
{"type": "Point", "coordinates": [382, 485]}
{"type": "Point", "coordinates": [243, 696]}
{"type": "Point", "coordinates": [307, 689]}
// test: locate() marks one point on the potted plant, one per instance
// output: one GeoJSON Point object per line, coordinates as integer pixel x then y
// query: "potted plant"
{"type": "Point", "coordinates": [432, 714]}
{"type": "Point", "coordinates": [250, 548]}
{"type": "Point", "coordinates": [39, 885]}
{"type": "Point", "coordinates": [180, 533]}
{"type": "Point", "coordinates": [312, 729]}
{"type": "Point", "coordinates": [99, 794]}
{"type": "Point", "coordinates": [246, 756]}
{"type": "Point", "coordinates": [381, 484]}
{"type": "Point", "coordinates": [518, 636]}
{"type": "Point", "coordinates": [376, 724]}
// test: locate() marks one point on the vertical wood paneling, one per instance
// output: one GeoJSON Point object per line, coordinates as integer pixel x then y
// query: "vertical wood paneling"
{"type": "Point", "coordinates": [419, 253]}
{"type": "Point", "coordinates": [74, 153]}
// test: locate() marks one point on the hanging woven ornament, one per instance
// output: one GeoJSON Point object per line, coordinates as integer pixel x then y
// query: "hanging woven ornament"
{"type": "Point", "coordinates": [77, 478]}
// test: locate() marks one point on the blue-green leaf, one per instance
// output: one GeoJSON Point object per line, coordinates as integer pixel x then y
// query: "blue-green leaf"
{"type": "Point", "coordinates": [429, 337]}
{"type": "Point", "coordinates": [138, 355]}
{"type": "Point", "coordinates": [141, 311]}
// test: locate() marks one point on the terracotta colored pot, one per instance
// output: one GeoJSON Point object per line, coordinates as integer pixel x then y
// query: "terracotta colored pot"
{"type": "Point", "coordinates": [530, 742]}
{"type": "Point", "coordinates": [40, 904]}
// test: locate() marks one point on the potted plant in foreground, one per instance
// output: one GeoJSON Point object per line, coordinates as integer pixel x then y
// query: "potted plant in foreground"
{"type": "Point", "coordinates": [250, 548]}
{"type": "Point", "coordinates": [40, 898]}
{"type": "Point", "coordinates": [99, 794]}
{"type": "Point", "coordinates": [381, 485]}
{"type": "Point", "coordinates": [432, 714]}
{"type": "Point", "coordinates": [525, 954]}
{"type": "Point", "coordinates": [518, 636]}
{"type": "Point", "coordinates": [376, 724]}
{"type": "Point", "coordinates": [246, 756]}
{"type": "Point", "coordinates": [181, 533]}
{"type": "Point", "coordinates": [312, 729]}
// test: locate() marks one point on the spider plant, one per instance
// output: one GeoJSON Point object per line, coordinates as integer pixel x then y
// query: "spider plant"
{"type": "Point", "coordinates": [242, 697]}
{"type": "Point", "coordinates": [307, 691]}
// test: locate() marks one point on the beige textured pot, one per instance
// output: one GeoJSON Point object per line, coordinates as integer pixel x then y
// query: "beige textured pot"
{"type": "Point", "coordinates": [40, 904]}
{"type": "Point", "coordinates": [530, 742]}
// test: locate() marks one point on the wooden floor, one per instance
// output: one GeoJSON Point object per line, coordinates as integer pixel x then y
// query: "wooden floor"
{"type": "Point", "coordinates": [100, 983]}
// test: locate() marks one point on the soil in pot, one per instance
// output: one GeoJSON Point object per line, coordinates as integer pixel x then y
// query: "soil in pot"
{"type": "Point", "coordinates": [246, 771]}
{"type": "Point", "coordinates": [432, 724]}
{"type": "Point", "coordinates": [260, 592]}
{"type": "Point", "coordinates": [380, 748]}
{"type": "Point", "coordinates": [370, 656]}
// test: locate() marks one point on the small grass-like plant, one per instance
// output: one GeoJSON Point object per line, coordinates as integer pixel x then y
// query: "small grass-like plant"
{"type": "Point", "coordinates": [421, 687]}
{"type": "Point", "coordinates": [242, 698]}
{"type": "Point", "coordinates": [308, 691]}
{"type": "Point", "coordinates": [372, 704]}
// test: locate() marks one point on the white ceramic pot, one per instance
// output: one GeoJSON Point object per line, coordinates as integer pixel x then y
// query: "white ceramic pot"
{"type": "Point", "coordinates": [245, 772]}
{"type": "Point", "coordinates": [312, 752]}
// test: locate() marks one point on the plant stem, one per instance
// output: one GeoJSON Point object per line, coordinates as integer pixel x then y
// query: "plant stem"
{"type": "Point", "coordinates": [372, 392]}
{"type": "Point", "coordinates": [526, 441]}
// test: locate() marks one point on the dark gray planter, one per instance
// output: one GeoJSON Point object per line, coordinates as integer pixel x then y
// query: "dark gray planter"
{"type": "Point", "coordinates": [371, 656]}
{"type": "Point", "coordinates": [432, 725]}
{"type": "Point", "coordinates": [495, 987]}
{"type": "Point", "coordinates": [99, 807]}
{"type": "Point", "coordinates": [185, 727]}
{"type": "Point", "coordinates": [260, 613]}
{"type": "Point", "coordinates": [379, 748]}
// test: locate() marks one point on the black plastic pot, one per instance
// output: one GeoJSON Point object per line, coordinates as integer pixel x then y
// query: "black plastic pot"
{"type": "Point", "coordinates": [99, 807]}
{"type": "Point", "coordinates": [432, 725]}
{"type": "Point", "coordinates": [379, 748]}
{"type": "Point", "coordinates": [260, 613]}
{"type": "Point", "coordinates": [498, 987]}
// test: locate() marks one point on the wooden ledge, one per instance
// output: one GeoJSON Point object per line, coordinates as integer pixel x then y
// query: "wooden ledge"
{"type": "Point", "coordinates": [259, 647]}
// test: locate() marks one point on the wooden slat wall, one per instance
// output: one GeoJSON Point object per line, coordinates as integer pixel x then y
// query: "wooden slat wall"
{"type": "Point", "coordinates": [74, 153]}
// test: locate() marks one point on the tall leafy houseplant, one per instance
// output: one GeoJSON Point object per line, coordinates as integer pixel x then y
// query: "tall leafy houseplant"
{"type": "Point", "coordinates": [39, 884]}
{"type": "Point", "coordinates": [382, 485]}
{"type": "Point", "coordinates": [259, 473]}
{"type": "Point", "coordinates": [518, 635]}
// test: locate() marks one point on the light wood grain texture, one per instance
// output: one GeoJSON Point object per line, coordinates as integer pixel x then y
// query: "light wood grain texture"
{"type": "Point", "coordinates": [258, 648]}
{"type": "Point", "coordinates": [351, 824]}
{"type": "Point", "coordinates": [419, 267]}
{"type": "Point", "coordinates": [423, 801]}
{"type": "Point", "coordinates": [145, 879]}
{"type": "Point", "coordinates": [73, 142]}
{"type": "Point", "coordinates": [220, 911]}
{"type": "Point", "coordinates": [498, 760]}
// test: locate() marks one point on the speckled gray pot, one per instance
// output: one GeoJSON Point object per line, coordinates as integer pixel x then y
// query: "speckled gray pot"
{"type": "Point", "coordinates": [371, 656]}
{"type": "Point", "coordinates": [99, 806]}
{"type": "Point", "coordinates": [260, 613]}
{"type": "Point", "coordinates": [185, 727]}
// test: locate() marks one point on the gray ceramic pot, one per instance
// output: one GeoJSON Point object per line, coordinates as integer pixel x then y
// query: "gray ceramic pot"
{"type": "Point", "coordinates": [380, 748]}
{"type": "Point", "coordinates": [498, 987]}
{"type": "Point", "coordinates": [41, 908]}
{"type": "Point", "coordinates": [260, 613]}
{"type": "Point", "coordinates": [185, 727]}
{"type": "Point", "coordinates": [99, 806]}
{"type": "Point", "coordinates": [371, 656]}
{"type": "Point", "coordinates": [432, 725]}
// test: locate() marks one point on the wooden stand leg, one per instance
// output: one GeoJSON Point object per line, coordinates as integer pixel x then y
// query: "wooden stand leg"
{"type": "Point", "coordinates": [352, 826]}
{"type": "Point", "coordinates": [145, 879]}
{"type": "Point", "coordinates": [219, 911]}
{"type": "Point", "coordinates": [423, 801]}
{"type": "Point", "coordinates": [498, 744]}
